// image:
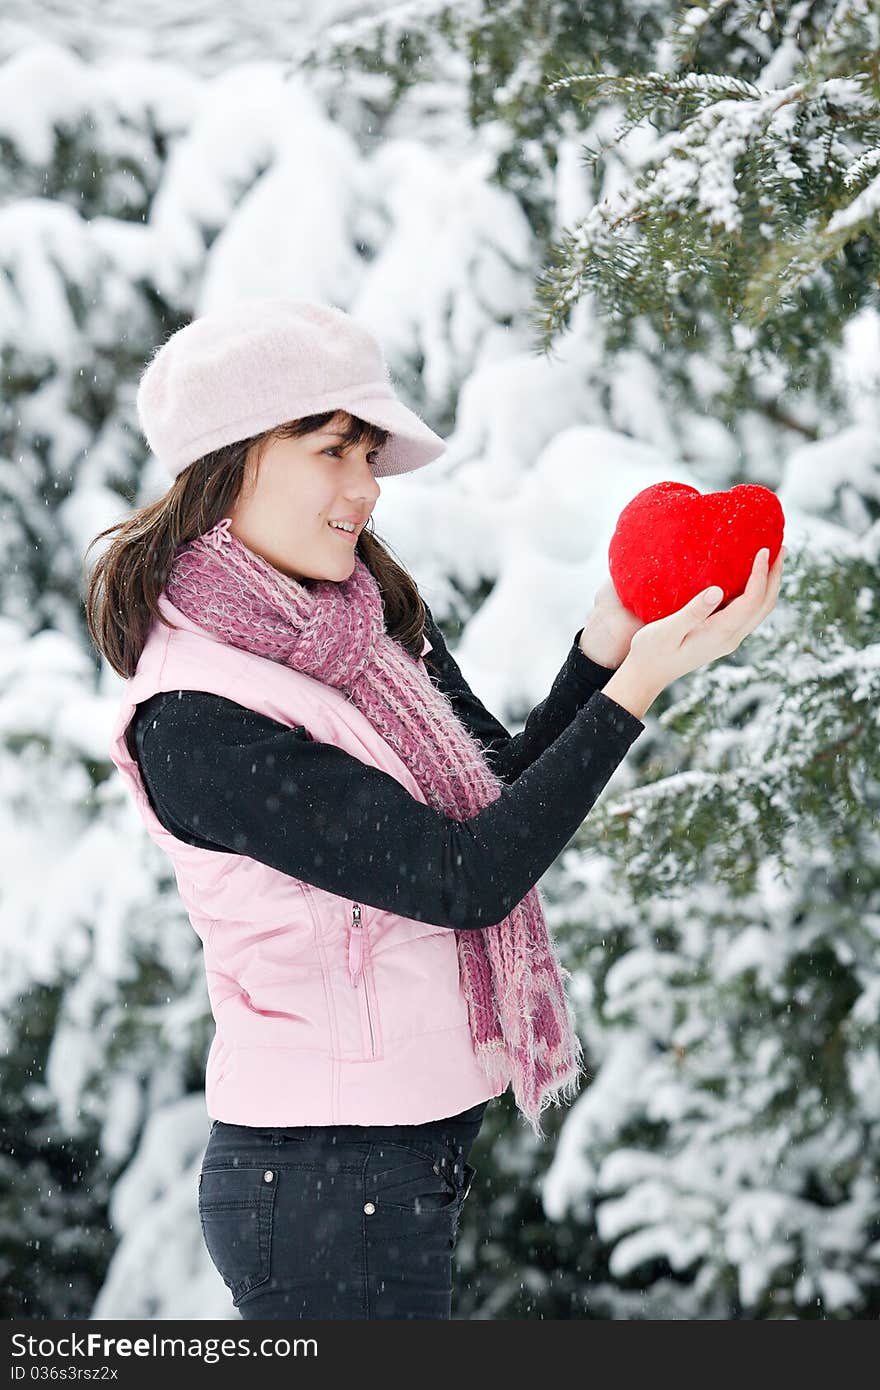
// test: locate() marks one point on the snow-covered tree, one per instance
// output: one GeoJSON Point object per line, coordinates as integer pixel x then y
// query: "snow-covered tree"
{"type": "Point", "coordinates": [728, 169]}
{"type": "Point", "coordinates": [721, 917]}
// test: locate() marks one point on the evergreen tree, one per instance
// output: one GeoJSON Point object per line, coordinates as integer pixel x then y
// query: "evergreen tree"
{"type": "Point", "coordinates": [723, 1162]}
{"type": "Point", "coordinates": [731, 1134]}
{"type": "Point", "coordinates": [751, 225]}
{"type": "Point", "coordinates": [102, 997]}
{"type": "Point", "coordinates": [730, 154]}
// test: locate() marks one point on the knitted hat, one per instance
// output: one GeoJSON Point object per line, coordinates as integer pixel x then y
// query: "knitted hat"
{"type": "Point", "coordinates": [263, 361]}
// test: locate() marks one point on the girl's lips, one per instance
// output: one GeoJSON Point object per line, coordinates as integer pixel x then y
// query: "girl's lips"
{"type": "Point", "coordinates": [350, 536]}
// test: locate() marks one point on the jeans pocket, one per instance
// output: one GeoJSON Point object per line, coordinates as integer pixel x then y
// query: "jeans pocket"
{"type": "Point", "coordinates": [402, 1179]}
{"type": "Point", "coordinates": [236, 1211]}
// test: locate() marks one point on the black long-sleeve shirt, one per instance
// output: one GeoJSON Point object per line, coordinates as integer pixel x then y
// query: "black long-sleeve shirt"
{"type": "Point", "coordinates": [224, 777]}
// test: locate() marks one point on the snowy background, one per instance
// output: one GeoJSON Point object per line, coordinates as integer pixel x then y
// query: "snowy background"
{"type": "Point", "coordinates": [173, 171]}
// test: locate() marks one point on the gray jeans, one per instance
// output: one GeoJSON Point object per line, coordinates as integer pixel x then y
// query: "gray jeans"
{"type": "Point", "coordinates": [334, 1222]}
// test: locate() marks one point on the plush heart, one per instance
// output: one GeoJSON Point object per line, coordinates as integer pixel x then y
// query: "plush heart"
{"type": "Point", "coordinates": [671, 542]}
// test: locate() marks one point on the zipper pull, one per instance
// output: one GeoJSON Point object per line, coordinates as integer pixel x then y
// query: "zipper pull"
{"type": "Point", "coordinates": [355, 944]}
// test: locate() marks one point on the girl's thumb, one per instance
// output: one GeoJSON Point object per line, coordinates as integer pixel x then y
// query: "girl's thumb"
{"type": "Point", "coordinates": [710, 597]}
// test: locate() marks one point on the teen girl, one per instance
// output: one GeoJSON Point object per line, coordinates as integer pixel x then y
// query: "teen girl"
{"type": "Point", "coordinates": [356, 839]}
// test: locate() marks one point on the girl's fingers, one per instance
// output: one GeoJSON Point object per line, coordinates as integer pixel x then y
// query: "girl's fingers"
{"type": "Point", "coordinates": [742, 608]}
{"type": "Point", "coordinates": [758, 599]}
{"type": "Point", "coordinates": [756, 585]}
{"type": "Point", "coordinates": [774, 584]}
{"type": "Point", "coordinates": [771, 592]}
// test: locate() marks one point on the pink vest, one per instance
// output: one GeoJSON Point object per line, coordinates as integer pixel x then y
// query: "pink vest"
{"type": "Point", "coordinates": [327, 1011]}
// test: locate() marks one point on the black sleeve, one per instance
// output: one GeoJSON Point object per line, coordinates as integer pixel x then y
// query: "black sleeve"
{"type": "Point", "coordinates": [228, 778]}
{"type": "Point", "coordinates": [509, 755]}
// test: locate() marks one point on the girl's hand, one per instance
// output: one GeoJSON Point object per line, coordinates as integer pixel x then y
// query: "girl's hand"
{"type": "Point", "coordinates": [696, 634]}
{"type": "Point", "coordinates": [609, 629]}
{"type": "Point", "coordinates": [615, 617]}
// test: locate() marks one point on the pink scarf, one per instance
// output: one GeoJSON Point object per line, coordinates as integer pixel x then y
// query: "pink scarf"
{"type": "Point", "coordinates": [335, 632]}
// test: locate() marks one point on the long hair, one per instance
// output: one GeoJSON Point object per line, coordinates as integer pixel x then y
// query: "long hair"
{"type": "Point", "coordinates": [123, 588]}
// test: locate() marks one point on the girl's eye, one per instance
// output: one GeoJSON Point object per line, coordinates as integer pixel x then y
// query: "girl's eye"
{"type": "Point", "coordinates": [334, 449]}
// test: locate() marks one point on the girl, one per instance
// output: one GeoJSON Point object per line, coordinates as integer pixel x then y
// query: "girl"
{"type": "Point", "coordinates": [356, 839]}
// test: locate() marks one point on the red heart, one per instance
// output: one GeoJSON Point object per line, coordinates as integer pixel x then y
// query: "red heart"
{"type": "Point", "coordinates": [671, 542]}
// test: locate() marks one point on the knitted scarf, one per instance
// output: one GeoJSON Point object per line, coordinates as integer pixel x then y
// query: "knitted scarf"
{"type": "Point", "coordinates": [335, 632]}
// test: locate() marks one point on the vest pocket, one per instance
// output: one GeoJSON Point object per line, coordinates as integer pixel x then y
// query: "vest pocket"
{"type": "Point", "coordinates": [356, 952]}
{"type": "Point", "coordinates": [347, 969]}
{"type": "Point", "coordinates": [236, 1211]}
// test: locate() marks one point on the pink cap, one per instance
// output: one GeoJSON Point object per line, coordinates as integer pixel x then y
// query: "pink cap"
{"type": "Point", "coordinates": [262, 361]}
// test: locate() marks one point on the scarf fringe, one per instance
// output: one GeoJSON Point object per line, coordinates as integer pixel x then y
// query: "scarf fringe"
{"type": "Point", "coordinates": [562, 1091]}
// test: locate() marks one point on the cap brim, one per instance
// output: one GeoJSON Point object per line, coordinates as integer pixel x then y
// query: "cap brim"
{"type": "Point", "coordinates": [411, 443]}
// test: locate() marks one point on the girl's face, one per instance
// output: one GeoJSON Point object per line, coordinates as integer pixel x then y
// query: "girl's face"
{"type": "Point", "coordinates": [285, 506]}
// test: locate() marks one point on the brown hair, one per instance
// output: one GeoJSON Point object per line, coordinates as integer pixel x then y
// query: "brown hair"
{"type": "Point", "coordinates": [123, 588]}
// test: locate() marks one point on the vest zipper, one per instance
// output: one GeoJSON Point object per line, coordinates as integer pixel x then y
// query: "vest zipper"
{"type": "Point", "coordinates": [355, 963]}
